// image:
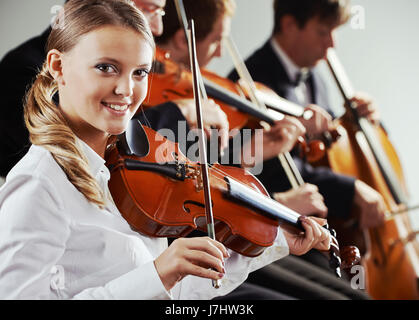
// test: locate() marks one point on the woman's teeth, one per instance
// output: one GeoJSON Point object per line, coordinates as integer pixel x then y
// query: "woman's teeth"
{"type": "Point", "coordinates": [116, 107]}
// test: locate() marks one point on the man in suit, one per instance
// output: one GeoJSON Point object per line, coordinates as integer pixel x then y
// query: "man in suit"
{"type": "Point", "coordinates": [303, 32]}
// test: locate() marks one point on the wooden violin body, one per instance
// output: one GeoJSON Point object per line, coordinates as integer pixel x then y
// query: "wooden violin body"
{"type": "Point", "coordinates": [160, 206]}
{"type": "Point", "coordinates": [160, 194]}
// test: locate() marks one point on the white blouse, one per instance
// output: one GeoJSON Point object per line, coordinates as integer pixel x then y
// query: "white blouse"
{"type": "Point", "coordinates": [54, 244]}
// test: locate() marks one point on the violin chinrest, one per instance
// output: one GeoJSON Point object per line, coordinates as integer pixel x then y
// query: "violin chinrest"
{"type": "Point", "coordinates": [134, 141]}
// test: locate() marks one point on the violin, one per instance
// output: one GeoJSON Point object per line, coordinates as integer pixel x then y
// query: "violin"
{"type": "Point", "coordinates": [170, 81]}
{"type": "Point", "coordinates": [160, 193]}
{"type": "Point", "coordinates": [390, 252]}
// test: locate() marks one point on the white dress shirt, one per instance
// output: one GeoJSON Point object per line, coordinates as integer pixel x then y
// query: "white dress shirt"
{"type": "Point", "coordinates": [54, 244]}
{"type": "Point", "coordinates": [301, 91]}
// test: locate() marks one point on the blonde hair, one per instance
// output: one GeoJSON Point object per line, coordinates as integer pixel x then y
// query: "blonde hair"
{"type": "Point", "coordinates": [46, 124]}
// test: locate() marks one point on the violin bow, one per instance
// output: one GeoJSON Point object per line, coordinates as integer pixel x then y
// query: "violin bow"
{"type": "Point", "coordinates": [197, 91]}
{"type": "Point", "coordinates": [286, 160]}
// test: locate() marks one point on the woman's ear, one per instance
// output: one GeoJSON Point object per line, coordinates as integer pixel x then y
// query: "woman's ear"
{"type": "Point", "coordinates": [55, 66]}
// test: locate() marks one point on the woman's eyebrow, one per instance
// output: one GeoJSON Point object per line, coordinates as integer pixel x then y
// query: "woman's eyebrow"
{"type": "Point", "coordinates": [146, 64]}
{"type": "Point", "coordinates": [109, 59]}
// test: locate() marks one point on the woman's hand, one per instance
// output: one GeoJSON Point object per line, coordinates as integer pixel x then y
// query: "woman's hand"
{"type": "Point", "coordinates": [314, 236]}
{"type": "Point", "coordinates": [202, 257]}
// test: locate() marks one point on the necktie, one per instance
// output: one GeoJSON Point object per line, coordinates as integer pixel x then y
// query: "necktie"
{"type": "Point", "coordinates": [302, 76]}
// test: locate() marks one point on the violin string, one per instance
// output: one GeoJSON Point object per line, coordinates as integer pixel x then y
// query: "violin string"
{"type": "Point", "coordinates": [221, 172]}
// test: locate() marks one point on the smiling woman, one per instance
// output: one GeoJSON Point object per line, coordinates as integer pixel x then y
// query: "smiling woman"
{"type": "Point", "coordinates": [74, 68]}
{"type": "Point", "coordinates": [102, 82]}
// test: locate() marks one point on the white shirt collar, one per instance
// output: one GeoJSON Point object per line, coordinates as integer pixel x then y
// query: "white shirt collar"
{"type": "Point", "coordinates": [96, 162]}
{"type": "Point", "coordinates": [290, 67]}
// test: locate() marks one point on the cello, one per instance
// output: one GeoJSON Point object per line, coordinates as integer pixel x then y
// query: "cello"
{"type": "Point", "coordinates": [391, 251]}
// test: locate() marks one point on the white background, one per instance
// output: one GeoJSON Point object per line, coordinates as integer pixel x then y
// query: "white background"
{"type": "Point", "coordinates": [381, 59]}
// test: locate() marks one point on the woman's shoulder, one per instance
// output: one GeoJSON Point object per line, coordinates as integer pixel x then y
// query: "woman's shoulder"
{"type": "Point", "coordinates": [39, 164]}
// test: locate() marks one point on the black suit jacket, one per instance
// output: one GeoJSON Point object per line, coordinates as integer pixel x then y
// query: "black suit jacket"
{"type": "Point", "coordinates": [338, 190]}
{"type": "Point", "coordinates": [20, 67]}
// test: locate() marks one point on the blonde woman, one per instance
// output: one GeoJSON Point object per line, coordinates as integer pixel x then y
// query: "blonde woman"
{"type": "Point", "coordinates": [61, 236]}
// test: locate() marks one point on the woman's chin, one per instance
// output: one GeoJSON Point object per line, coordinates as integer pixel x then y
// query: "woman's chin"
{"type": "Point", "coordinates": [117, 130]}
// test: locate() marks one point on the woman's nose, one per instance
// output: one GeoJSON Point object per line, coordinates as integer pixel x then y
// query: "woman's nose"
{"type": "Point", "coordinates": [124, 87]}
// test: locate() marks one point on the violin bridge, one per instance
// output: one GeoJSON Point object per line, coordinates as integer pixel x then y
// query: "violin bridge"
{"type": "Point", "coordinates": [194, 172]}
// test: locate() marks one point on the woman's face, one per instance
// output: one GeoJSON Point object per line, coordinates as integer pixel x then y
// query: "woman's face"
{"type": "Point", "coordinates": [104, 81]}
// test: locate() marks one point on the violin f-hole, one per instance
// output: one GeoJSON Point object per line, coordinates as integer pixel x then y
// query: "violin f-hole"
{"type": "Point", "coordinates": [194, 203]}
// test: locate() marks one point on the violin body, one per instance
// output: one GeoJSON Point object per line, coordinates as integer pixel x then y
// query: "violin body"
{"type": "Point", "coordinates": [391, 266]}
{"type": "Point", "coordinates": [160, 206]}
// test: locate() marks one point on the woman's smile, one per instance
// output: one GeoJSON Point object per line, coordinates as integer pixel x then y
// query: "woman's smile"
{"type": "Point", "coordinates": [118, 109]}
{"type": "Point", "coordinates": [104, 81]}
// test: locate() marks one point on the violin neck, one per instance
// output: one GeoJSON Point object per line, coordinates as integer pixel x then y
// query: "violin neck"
{"type": "Point", "coordinates": [267, 206]}
{"type": "Point", "coordinates": [218, 92]}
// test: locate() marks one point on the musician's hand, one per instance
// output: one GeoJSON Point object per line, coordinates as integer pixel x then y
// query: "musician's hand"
{"type": "Point", "coordinates": [280, 138]}
{"type": "Point", "coordinates": [314, 237]}
{"type": "Point", "coordinates": [320, 122]}
{"type": "Point", "coordinates": [202, 257]}
{"type": "Point", "coordinates": [305, 200]}
{"type": "Point", "coordinates": [213, 117]}
{"type": "Point", "coordinates": [366, 107]}
{"type": "Point", "coordinates": [370, 204]}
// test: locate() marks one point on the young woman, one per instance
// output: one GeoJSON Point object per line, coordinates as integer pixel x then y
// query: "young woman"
{"type": "Point", "coordinates": [61, 235]}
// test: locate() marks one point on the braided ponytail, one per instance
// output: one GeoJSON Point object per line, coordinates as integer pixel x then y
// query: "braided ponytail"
{"type": "Point", "coordinates": [49, 129]}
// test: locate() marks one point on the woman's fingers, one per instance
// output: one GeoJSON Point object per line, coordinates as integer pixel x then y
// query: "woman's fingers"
{"type": "Point", "coordinates": [205, 260]}
{"type": "Point", "coordinates": [202, 257]}
{"type": "Point", "coordinates": [323, 237]}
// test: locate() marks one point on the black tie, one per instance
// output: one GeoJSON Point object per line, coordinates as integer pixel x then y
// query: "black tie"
{"type": "Point", "coordinates": [300, 77]}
